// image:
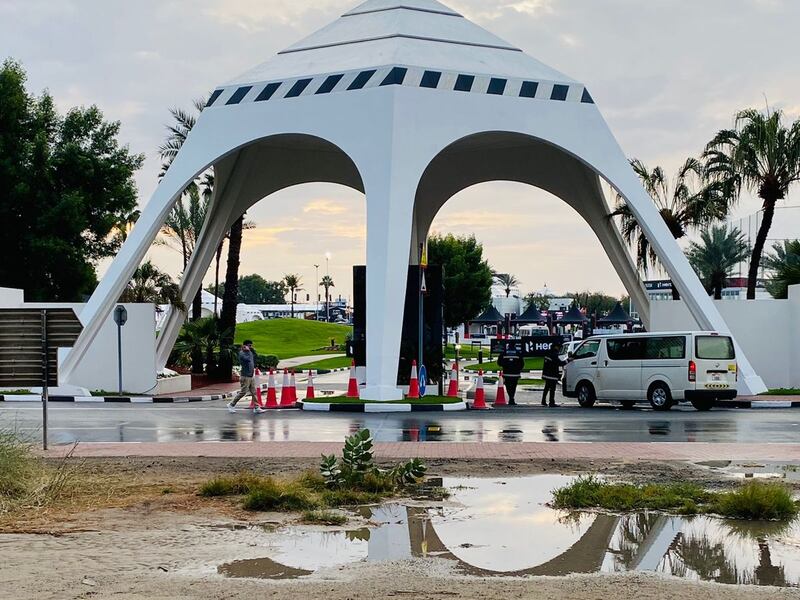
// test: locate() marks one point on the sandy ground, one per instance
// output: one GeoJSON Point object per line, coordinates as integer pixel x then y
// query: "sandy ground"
{"type": "Point", "coordinates": [169, 545]}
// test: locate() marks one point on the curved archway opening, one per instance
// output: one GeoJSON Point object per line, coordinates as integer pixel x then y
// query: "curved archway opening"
{"type": "Point", "coordinates": [467, 166]}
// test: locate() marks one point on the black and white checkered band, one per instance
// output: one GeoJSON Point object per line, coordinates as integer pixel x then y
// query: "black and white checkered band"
{"type": "Point", "coordinates": [348, 81]}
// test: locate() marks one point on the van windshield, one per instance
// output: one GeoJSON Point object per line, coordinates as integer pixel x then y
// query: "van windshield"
{"type": "Point", "coordinates": [715, 347]}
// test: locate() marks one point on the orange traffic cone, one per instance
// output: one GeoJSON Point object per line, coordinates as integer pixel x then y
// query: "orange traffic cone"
{"type": "Point", "coordinates": [292, 387]}
{"type": "Point", "coordinates": [272, 396]}
{"type": "Point", "coordinates": [500, 400]}
{"type": "Point", "coordinates": [413, 386]}
{"type": "Point", "coordinates": [310, 387]}
{"type": "Point", "coordinates": [480, 398]}
{"type": "Point", "coordinates": [352, 385]}
{"type": "Point", "coordinates": [452, 387]}
{"type": "Point", "coordinates": [286, 394]}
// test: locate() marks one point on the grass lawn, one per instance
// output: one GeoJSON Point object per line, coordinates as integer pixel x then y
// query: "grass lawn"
{"type": "Point", "coordinates": [287, 338]}
{"type": "Point", "coordinates": [329, 363]}
{"type": "Point", "coordinates": [782, 392]}
{"type": "Point", "coordinates": [425, 400]}
{"type": "Point", "coordinates": [531, 364]}
{"type": "Point", "coordinates": [467, 351]}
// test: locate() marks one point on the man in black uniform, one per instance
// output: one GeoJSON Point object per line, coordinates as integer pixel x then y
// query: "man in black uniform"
{"type": "Point", "coordinates": [511, 361]}
{"type": "Point", "coordinates": [551, 373]}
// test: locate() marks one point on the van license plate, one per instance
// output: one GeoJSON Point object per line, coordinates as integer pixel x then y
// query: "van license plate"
{"type": "Point", "coordinates": [715, 377]}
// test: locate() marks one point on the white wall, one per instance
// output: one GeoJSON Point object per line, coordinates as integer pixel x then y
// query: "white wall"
{"type": "Point", "coordinates": [98, 369]}
{"type": "Point", "coordinates": [767, 330]}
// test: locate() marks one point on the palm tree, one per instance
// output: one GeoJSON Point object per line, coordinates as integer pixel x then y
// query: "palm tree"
{"type": "Point", "coordinates": [716, 255]}
{"type": "Point", "coordinates": [230, 299]}
{"type": "Point", "coordinates": [784, 264]}
{"type": "Point", "coordinates": [763, 156]}
{"type": "Point", "coordinates": [150, 285]}
{"type": "Point", "coordinates": [327, 283]}
{"type": "Point", "coordinates": [294, 283]}
{"type": "Point", "coordinates": [185, 222]}
{"type": "Point", "coordinates": [685, 204]}
{"type": "Point", "coordinates": [507, 280]}
{"type": "Point", "coordinates": [197, 342]}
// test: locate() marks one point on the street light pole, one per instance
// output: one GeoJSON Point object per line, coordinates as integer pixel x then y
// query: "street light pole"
{"type": "Point", "coordinates": [327, 299]}
{"type": "Point", "coordinates": [316, 276]}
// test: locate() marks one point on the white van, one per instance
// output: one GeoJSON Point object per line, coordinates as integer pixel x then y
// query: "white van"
{"type": "Point", "coordinates": [660, 368]}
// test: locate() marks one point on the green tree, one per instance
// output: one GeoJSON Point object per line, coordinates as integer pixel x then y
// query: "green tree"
{"type": "Point", "coordinates": [327, 283]}
{"type": "Point", "coordinates": [539, 300]}
{"type": "Point", "coordinates": [254, 289]}
{"type": "Point", "coordinates": [687, 203]}
{"type": "Point", "coordinates": [784, 266]}
{"type": "Point", "coordinates": [716, 255]}
{"type": "Point", "coordinates": [227, 317]}
{"type": "Point", "coordinates": [507, 280]}
{"type": "Point", "coordinates": [595, 303]}
{"type": "Point", "coordinates": [762, 155]}
{"type": "Point", "coordinates": [294, 283]}
{"type": "Point", "coordinates": [67, 186]}
{"type": "Point", "coordinates": [467, 277]}
{"type": "Point", "coordinates": [150, 285]}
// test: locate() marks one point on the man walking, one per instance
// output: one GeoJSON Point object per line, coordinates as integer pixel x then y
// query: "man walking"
{"type": "Point", "coordinates": [247, 360]}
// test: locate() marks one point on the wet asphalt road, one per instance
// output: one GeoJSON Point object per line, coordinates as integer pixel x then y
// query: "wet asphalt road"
{"type": "Point", "coordinates": [209, 421]}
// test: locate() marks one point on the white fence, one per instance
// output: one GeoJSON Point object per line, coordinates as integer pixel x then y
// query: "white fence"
{"type": "Point", "coordinates": [767, 330]}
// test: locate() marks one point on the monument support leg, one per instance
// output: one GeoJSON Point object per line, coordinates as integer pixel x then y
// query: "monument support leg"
{"type": "Point", "coordinates": [130, 256]}
{"type": "Point", "coordinates": [389, 220]}
{"type": "Point", "coordinates": [218, 220]}
{"type": "Point", "coordinates": [698, 302]}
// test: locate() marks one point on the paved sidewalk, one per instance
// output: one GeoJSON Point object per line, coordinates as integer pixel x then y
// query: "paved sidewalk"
{"type": "Point", "coordinates": [633, 451]}
{"type": "Point", "coordinates": [289, 363]}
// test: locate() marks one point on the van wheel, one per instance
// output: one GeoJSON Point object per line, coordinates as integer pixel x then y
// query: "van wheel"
{"type": "Point", "coordinates": [703, 405]}
{"type": "Point", "coordinates": [659, 396]}
{"type": "Point", "coordinates": [585, 393]}
{"type": "Point", "coordinates": [628, 404]}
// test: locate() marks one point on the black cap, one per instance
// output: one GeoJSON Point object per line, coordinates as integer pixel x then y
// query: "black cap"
{"type": "Point", "coordinates": [247, 343]}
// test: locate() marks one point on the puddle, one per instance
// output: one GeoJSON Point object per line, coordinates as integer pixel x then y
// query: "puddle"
{"type": "Point", "coordinates": [501, 527]}
{"type": "Point", "coordinates": [765, 470]}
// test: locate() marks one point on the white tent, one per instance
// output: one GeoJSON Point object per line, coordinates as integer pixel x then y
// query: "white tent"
{"type": "Point", "coordinates": [408, 102]}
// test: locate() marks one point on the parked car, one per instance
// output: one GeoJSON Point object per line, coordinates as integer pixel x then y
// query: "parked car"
{"type": "Point", "coordinates": [660, 368]}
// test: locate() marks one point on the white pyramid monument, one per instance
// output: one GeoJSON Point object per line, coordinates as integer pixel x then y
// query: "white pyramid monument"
{"type": "Point", "coordinates": [408, 102]}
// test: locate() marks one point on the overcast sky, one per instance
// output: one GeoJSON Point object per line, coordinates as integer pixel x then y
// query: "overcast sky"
{"type": "Point", "coordinates": [667, 74]}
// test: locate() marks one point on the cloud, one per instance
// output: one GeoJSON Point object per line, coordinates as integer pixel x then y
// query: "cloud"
{"type": "Point", "coordinates": [325, 206]}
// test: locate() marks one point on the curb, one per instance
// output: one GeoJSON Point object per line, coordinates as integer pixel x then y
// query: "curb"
{"type": "Point", "coordinates": [380, 407]}
{"type": "Point", "coordinates": [116, 399]}
{"type": "Point", "coordinates": [757, 404]}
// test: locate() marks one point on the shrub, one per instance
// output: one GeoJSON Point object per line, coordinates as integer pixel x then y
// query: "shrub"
{"type": "Point", "coordinates": [755, 500]}
{"type": "Point", "coordinates": [758, 501]}
{"type": "Point", "coordinates": [231, 486]}
{"type": "Point", "coordinates": [323, 517]}
{"type": "Point", "coordinates": [16, 466]}
{"type": "Point", "coordinates": [271, 495]}
{"type": "Point", "coordinates": [266, 361]}
{"type": "Point", "coordinates": [357, 469]}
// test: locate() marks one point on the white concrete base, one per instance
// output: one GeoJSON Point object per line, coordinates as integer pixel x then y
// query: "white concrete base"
{"type": "Point", "coordinates": [382, 393]}
{"type": "Point", "coordinates": [173, 385]}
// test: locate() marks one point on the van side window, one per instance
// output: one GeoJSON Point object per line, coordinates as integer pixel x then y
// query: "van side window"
{"type": "Point", "coordinates": [665, 347]}
{"type": "Point", "coordinates": [625, 348]}
{"type": "Point", "coordinates": [587, 349]}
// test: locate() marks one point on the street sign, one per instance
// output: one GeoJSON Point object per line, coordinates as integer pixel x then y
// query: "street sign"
{"type": "Point", "coordinates": [120, 315]}
{"type": "Point", "coordinates": [423, 380]}
{"type": "Point", "coordinates": [120, 318]}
